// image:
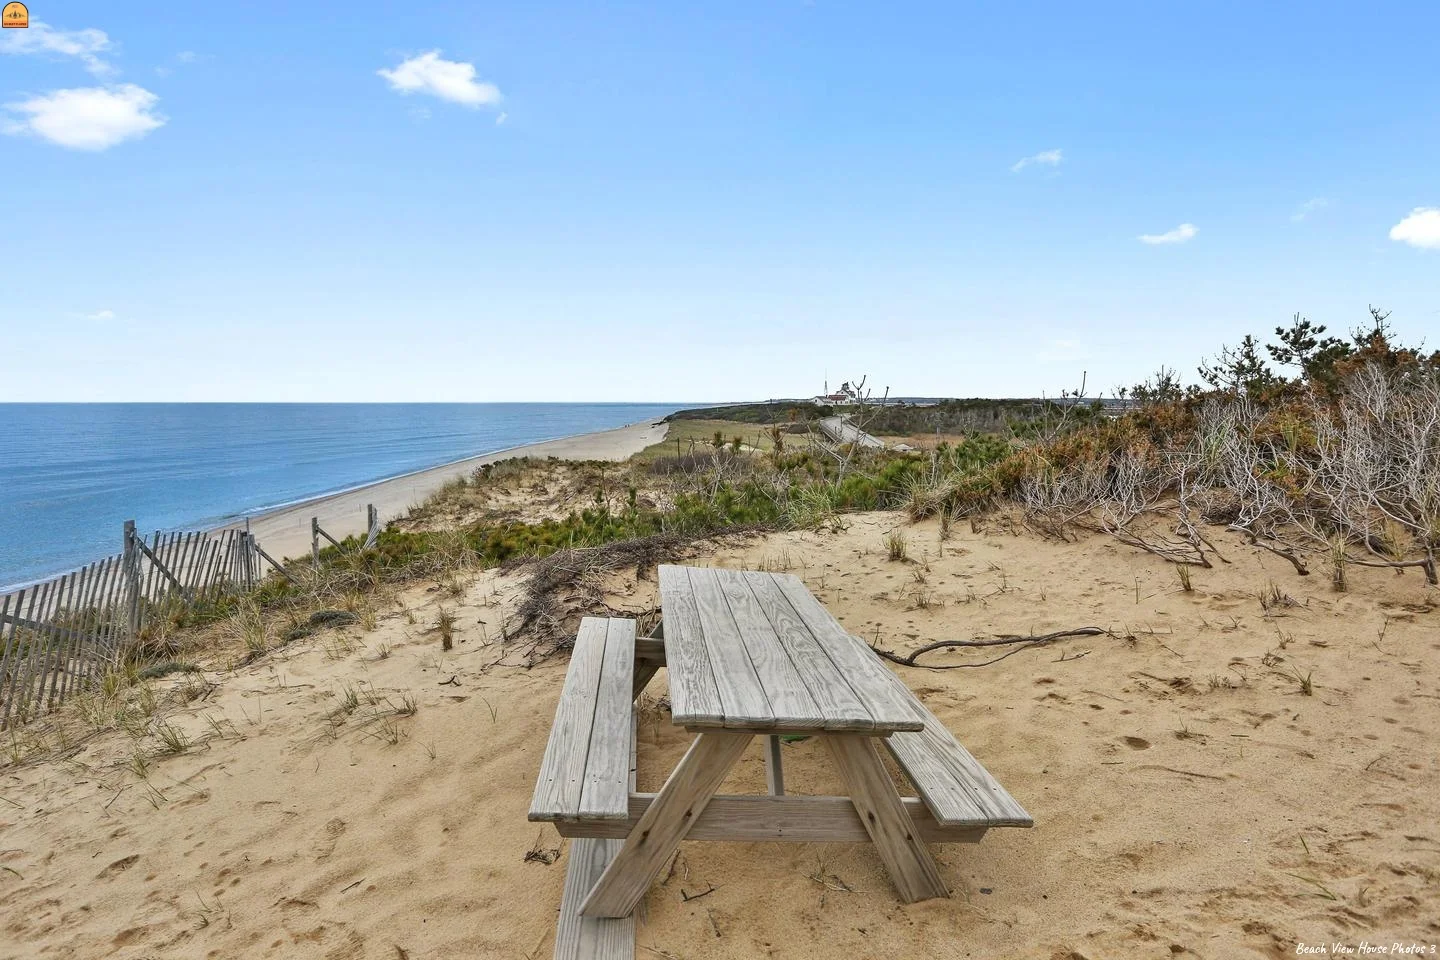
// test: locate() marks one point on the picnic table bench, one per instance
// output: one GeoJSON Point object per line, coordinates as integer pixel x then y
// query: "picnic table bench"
{"type": "Point", "coordinates": [745, 654]}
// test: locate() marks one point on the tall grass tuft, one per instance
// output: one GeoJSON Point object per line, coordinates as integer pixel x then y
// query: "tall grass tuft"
{"type": "Point", "coordinates": [896, 547]}
{"type": "Point", "coordinates": [445, 624]}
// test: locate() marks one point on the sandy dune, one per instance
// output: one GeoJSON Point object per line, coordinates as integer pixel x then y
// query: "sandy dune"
{"type": "Point", "coordinates": [286, 532]}
{"type": "Point", "coordinates": [1189, 798]}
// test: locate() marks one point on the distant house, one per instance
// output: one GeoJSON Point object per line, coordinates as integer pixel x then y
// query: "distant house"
{"type": "Point", "coordinates": [843, 397]}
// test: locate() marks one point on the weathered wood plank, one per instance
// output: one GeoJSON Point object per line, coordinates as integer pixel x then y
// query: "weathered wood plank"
{"type": "Point", "coordinates": [83, 634]}
{"type": "Point", "coordinates": [35, 647]}
{"type": "Point", "coordinates": [649, 658]}
{"type": "Point", "coordinates": [791, 818]}
{"type": "Point", "coordinates": [209, 563]}
{"type": "Point", "coordinates": [956, 788]}
{"type": "Point", "coordinates": [75, 636]}
{"type": "Point", "coordinates": [839, 705]}
{"type": "Point", "coordinates": [694, 697]}
{"type": "Point", "coordinates": [154, 568]}
{"type": "Point", "coordinates": [579, 937]}
{"type": "Point", "coordinates": [607, 767]}
{"type": "Point", "coordinates": [897, 841]}
{"type": "Point", "coordinates": [650, 648]}
{"type": "Point", "coordinates": [84, 630]}
{"type": "Point", "coordinates": [54, 642]}
{"type": "Point", "coordinates": [65, 636]}
{"type": "Point", "coordinates": [183, 563]}
{"type": "Point", "coordinates": [94, 624]}
{"type": "Point", "coordinates": [111, 612]}
{"type": "Point", "coordinates": [16, 658]}
{"type": "Point", "coordinates": [785, 690]}
{"type": "Point", "coordinates": [562, 771]}
{"type": "Point", "coordinates": [7, 635]}
{"type": "Point", "coordinates": [680, 802]}
{"type": "Point", "coordinates": [742, 695]}
{"type": "Point", "coordinates": [164, 558]}
{"type": "Point", "coordinates": [91, 647]}
{"type": "Point", "coordinates": [645, 671]}
{"type": "Point", "coordinates": [16, 665]}
{"type": "Point", "coordinates": [270, 560]}
{"type": "Point", "coordinates": [882, 693]}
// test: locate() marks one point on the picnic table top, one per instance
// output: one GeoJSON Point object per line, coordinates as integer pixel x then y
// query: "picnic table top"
{"type": "Point", "coordinates": [756, 651]}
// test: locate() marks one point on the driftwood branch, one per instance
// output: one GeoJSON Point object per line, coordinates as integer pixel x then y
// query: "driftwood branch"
{"type": "Point", "coordinates": [1427, 564]}
{"type": "Point", "coordinates": [1285, 552]}
{"type": "Point", "coordinates": [1017, 642]}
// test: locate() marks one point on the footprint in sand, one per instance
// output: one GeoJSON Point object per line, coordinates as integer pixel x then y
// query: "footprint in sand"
{"type": "Point", "coordinates": [1137, 743]}
{"type": "Point", "coordinates": [326, 845]}
{"type": "Point", "coordinates": [119, 866]}
{"type": "Point", "coordinates": [128, 936]}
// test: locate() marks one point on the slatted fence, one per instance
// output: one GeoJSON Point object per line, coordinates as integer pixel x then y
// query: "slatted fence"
{"type": "Point", "coordinates": [58, 636]}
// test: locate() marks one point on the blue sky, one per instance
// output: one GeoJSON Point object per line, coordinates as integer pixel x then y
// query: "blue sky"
{"type": "Point", "coordinates": [699, 202]}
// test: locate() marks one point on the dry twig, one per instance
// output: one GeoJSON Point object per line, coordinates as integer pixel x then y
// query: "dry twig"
{"type": "Point", "coordinates": [1020, 643]}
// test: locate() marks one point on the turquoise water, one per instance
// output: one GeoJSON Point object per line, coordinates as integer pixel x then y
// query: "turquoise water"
{"type": "Point", "coordinates": [71, 474]}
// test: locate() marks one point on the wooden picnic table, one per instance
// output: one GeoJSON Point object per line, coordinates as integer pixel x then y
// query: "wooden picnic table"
{"type": "Point", "coordinates": [746, 654]}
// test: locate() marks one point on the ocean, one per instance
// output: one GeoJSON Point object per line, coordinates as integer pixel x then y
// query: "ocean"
{"type": "Point", "coordinates": [71, 474]}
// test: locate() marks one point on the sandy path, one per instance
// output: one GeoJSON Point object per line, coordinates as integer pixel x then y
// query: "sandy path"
{"type": "Point", "coordinates": [286, 532]}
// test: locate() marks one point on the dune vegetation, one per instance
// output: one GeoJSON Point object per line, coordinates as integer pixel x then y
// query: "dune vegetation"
{"type": "Point", "coordinates": [1322, 450]}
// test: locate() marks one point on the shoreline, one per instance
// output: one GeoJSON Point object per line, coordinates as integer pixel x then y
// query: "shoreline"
{"type": "Point", "coordinates": [284, 531]}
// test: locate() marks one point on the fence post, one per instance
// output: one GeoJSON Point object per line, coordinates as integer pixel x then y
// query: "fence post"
{"type": "Point", "coordinates": [315, 541]}
{"type": "Point", "coordinates": [131, 566]}
{"type": "Point", "coordinates": [250, 564]}
{"type": "Point", "coordinates": [372, 526]}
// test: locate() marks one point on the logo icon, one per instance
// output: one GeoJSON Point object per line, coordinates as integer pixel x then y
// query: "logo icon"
{"type": "Point", "coordinates": [14, 15]}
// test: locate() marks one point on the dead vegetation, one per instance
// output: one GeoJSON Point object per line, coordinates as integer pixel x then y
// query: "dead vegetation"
{"type": "Point", "coordinates": [559, 589]}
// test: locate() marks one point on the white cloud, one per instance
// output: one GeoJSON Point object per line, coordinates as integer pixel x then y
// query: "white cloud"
{"type": "Point", "coordinates": [1420, 229]}
{"type": "Point", "coordinates": [1179, 235]}
{"type": "Point", "coordinates": [502, 118]}
{"type": "Point", "coordinates": [88, 118]}
{"type": "Point", "coordinates": [447, 79]}
{"type": "Point", "coordinates": [41, 38]}
{"type": "Point", "coordinates": [101, 315]}
{"type": "Point", "coordinates": [1309, 207]}
{"type": "Point", "coordinates": [1045, 158]}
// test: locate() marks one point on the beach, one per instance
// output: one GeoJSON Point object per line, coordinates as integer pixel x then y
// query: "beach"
{"type": "Point", "coordinates": [1217, 775]}
{"type": "Point", "coordinates": [285, 532]}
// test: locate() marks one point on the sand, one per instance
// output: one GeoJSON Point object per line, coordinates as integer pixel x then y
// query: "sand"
{"type": "Point", "coordinates": [285, 532]}
{"type": "Point", "coordinates": [1189, 798]}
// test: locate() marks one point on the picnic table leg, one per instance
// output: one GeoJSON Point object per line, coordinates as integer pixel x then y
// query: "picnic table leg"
{"type": "Point", "coordinates": [644, 671]}
{"type": "Point", "coordinates": [656, 837]}
{"type": "Point", "coordinates": [647, 665]}
{"type": "Point", "coordinates": [912, 869]}
{"type": "Point", "coordinates": [774, 769]}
